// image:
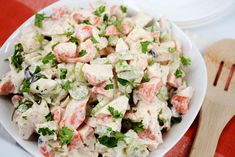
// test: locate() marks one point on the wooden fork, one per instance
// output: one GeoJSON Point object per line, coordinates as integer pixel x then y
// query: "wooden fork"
{"type": "Point", "coordinates": [219, 105]}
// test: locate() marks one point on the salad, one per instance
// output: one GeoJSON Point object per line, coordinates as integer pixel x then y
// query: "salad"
{"type": "Point", "coordinates": [97, 82]}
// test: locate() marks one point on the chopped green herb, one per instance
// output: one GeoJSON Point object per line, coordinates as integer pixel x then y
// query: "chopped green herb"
{"type": "Point", "coordinates": [161, 120]}
{"type": "Point", "coordinates": [68, 34]}
{"type": "Point", "coordinates": [24, 117]}
{"type": "Point", "coordinates": [86, 22]}
{"type": "Point", "coordinates": [82, 53]}
{"type": "Point", "coordinates": [137, 126]}
{"type": "Point", "coordinates": [146, 78]}
{"type": "Point", "coordinates": [17, 59]}
{"type": "Point", "coordinates": [105, 18]}
{"type": "Point", "coordinates": [65, 135]}
{"type": "Point", "coordinates": [53, 46]}
{"type": "Point", "coordinates": [37, 98]}
{"type": "Point", "coordinates": [73, 40]}
{"type": "Point", "coordinates": [151, 62]}
{"type": "Point", "coordinates": [175, 120]}
{"type": "Point", "coordinates": [123, 82]}
{"type": "Point", "coordinates": [185, 61]}
{"type": "Point", "coordinates": [152, 28]}
{"type": "Point", "coordinates": [45, 131]}
{"type": "Point", "coordinates": [178, 73]}
{"type": "Point", "coordinates": [6, 60]}
{"type": "Point", "coordinates": [94, 40]}
{"type": "Point", "coordinates": [123, 8]}
{"type": "Point", "coordinates": [25, 86]}
{"type": "Point", "coordinates": [118, 135]}
{"type": "Point", "coordinates": [99, 10]}
{"type": "Point", "coordinates": [23, 106]}
{"type": "Point", "coordinates": [48, 116]}
{"type": "Point", "coordinates": [66, 85]}
{"type": "Point", "coordinates": [108, 87]}
{"type": "Point", "coordinates": [49, 57]}
{"type": "Point", "coordinates": [119, 26]}
{"type": "Point", "coordinates": [171, 49]}
{"type": "Point", "coordinates": [63, 73]}
{"type": "Point", "coordinates": [39, 38]}
{"type": "Point", "coordinates": [144, 46]}
{"type": "Point", "coordinates": [37, 70]}
{"type": "Point", "coordinates": [109, 142]}
{"type": "Point", "coordinates": [115, 113]}
{"type": "Point", "coordinates": [38, 19]}
{"type": "Point", "coordinates": [109, 129]}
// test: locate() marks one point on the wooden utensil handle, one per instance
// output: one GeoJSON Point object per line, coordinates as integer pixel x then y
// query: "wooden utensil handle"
{"type": "Point", "coordinates": [211, 125]}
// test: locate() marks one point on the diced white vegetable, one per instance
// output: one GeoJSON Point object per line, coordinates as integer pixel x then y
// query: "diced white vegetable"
{"type": "Point", "coordinates": [121, 46]}
{"type": "Point", "coordinates": [142, 19]}
{"type": "Point", "coordinates": [96, 74]}
{"type": "Point", "coordinates": [43, 86]}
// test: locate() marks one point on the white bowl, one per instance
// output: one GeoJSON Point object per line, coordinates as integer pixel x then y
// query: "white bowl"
{"type": "Point", "coordinates": [197, 77]}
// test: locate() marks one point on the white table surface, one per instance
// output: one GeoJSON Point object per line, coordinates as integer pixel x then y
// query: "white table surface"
{"type": "Point", "coordinates": [202, 38]}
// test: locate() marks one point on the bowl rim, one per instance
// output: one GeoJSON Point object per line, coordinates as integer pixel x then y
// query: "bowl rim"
{"type": "Point", "coordinates": [193, 48]}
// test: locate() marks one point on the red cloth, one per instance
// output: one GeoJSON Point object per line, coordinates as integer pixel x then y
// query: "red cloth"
{"type": "Point", "coordinates": [14, 13]}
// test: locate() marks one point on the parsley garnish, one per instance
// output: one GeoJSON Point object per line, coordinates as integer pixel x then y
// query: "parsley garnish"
{"type": "Point", "coordinates": [25, 86]}
{"type": "Point", "coordinates": [119, 26]}
{"type": "Point", "coordinates": [185, 61]}
{"type": "Point", "coordinates": [23, 106]}
{"type": "Point", "coordinates": [108, 87]}
{"type": "Point", "coordinates": [105, 18]}
{"type": "Point", "coordinates": [161, 120]}
{"type": "Point", "coordinates": [49, 57]}
{"type": "Point", "coordinates": [66, 85]}
{"type": "Point", "coordinates": [73, 40]}
{"type": "Point", "coordinates": [123, 8]}
{"type": "Point", "coordinates": [37, 99]}
{"type": "Point", "coordinates": [86, 22]}
{"type": "Point", "coordinates": [38, 19]}
{"type": "Point", "coordinates": [24, 117]}
{"type": "Point", "coordinates": [178, 73]}
{"type": "Point", "coordinates": [115, 113]}
{"type": "Point", "coordinates": [65, 135]}
{"type": "Point", "coordinates": [118, 135]}
{"type": "Point", "coordinates": [17, 58]}
{"type": "Point", "coordinates": [54, 45]}
{"type": "Point", "coordinates": [45, 131]}
{"type": "Point", "coordinates": [138, 126]}
{"type": "Point", "coordinates": [63, 73]}
{"type": "Point", "coordinates": [82, 53]}
{"type": "Point", "coordinates": [40, 39]}
{"type": "Point", "coordinates": [146, 78]}
{"type": "Point", "coordinates": [99, 10]}
{"type": "Point", "coordinates": [144, 46]}
{"type": "Point", "coordinates": [109, 142]}
{"type": "Point", "coordinates": [123, 82]}
{"type": "Point", "coordinates": [171, 49]}
{"type": "Point", "coordinates": [94, 40]}
{"type": "Point", "coordinates": [48, 117]}
{"type": "Point", "coordinates": [68, 34]}
{"type": "Point", "coordinates": [37, 70]}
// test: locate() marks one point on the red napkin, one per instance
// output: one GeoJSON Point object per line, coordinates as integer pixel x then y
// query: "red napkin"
{"type": "Point", "coordinates": [14, 13]}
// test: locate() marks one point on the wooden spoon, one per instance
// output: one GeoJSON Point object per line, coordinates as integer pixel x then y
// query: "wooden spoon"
{"type": "Point", "coordinates": [219, 105]}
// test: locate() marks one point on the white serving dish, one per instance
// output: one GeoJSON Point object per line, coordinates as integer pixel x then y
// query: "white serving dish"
{"type": "Point", "coordinates": [197, 77]}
